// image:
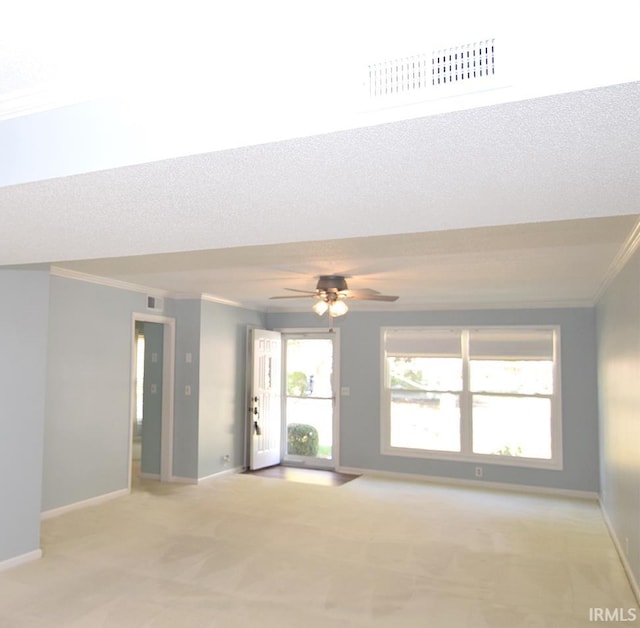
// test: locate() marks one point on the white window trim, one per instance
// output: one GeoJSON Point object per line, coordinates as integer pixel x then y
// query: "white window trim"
{"type": "Point", "coordinates": [466, 455]}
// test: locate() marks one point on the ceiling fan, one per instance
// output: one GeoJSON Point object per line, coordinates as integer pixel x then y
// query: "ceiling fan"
{"type": "Point", "coordinates": [331, 294]}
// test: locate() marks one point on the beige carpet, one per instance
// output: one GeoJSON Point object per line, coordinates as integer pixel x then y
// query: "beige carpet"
{"type": "Point", "coordinates": [241, 550]}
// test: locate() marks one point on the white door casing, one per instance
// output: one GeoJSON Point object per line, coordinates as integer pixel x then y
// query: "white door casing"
{"type": "Point", "coordinates": [265, 399]}
{"type": "Point", "coordinates": [168, 380]}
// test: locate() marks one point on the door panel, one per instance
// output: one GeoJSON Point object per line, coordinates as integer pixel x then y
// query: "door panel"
{"type": "Point", "coordinates": [265, 399]}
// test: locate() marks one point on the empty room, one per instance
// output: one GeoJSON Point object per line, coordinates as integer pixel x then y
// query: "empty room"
{"type": "Point", "coordinates": [319, 315]}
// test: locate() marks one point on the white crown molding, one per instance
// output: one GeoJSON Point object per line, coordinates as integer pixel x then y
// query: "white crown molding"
{"type": "Point", "coordinates": [66, 273]}
{"type": "Point", "coordinates": [435, 307]}
{"type": "Point", "coordinates": [213, 299]}
{"type": "Point", "coordinates": [410, 307]}
{"type": "Point", "coordinates": [628, 248]}
{"type": "Point", "coordinates": [210, 298]}
{"type": "Point", "coordinates": [501, 305]}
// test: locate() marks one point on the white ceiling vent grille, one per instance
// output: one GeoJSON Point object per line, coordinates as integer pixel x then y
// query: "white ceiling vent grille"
{"type": "Point", "coordinates": [399, 76]}
{"type": "Point", "coordinates": [455, 71]}
{"type": "Point", "coordinates": [470, 62]}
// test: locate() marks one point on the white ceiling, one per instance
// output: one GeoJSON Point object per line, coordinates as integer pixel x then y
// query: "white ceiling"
{"type": "Point", "coordinates": [561, 263]}
{"type": "Point", "coordinates": [529, 202]}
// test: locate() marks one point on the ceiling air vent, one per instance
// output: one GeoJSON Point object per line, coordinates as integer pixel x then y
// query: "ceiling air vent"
{"type": "Point", "coordinates": [471, 62]}
{"type": "Point", "coordinates": [399, 76]}
{"type": "Point", "coordinates": [455, 71]}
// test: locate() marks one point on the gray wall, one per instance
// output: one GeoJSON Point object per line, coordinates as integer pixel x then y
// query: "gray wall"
{"type": "Point", "coordinates": [87, 427]}
{"type": "Point", "coordinates": [618, 315]}
{"type": "Point", "coordinates": [23, 356]}
{"type": "Point", "coordinates": [222, 385]}
{"type": "Point", "coordinates": [209, 423]}
{"type": "Point", "coordinates": [186, 407]}
{"type": "Point", "coordinates": [360, 412]}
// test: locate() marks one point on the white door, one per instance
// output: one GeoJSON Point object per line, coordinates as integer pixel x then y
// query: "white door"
{"type": "Point", "coordinates": [265, 399]}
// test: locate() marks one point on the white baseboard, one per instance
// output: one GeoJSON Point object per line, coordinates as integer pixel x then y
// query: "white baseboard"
{"type": "Point", "coordinates": [176, 479]}
{"type": "Point", "coordinates": [221, 473]}
{"type": "Point", "coordinates": [93, 501]}
{"type": "Point", "coordinates": [20, 560]}
{"type": "Point", "coordinates": [180, 480]}
{"type": "Point", "coordinates": [621, 553]}
{"type": "Point", "coordinates": [464, 483]}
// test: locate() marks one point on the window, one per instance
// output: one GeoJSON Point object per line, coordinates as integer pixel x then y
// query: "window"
{"type": "Point", "coordinates": [484, 393]}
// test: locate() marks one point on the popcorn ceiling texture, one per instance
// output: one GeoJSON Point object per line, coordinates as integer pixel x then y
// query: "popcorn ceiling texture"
{"type": "Point", "coordinates": [564, 157]}
{"type": "Point", "coordinates": [569, 156]}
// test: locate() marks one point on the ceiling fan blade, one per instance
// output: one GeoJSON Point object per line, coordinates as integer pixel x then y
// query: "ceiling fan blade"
{"type": "Point", "coordinates": [334, 288]}
{"type": "Point", "coordinates": [296, 296]}
{"type": "Point", "coordinates": [354, 294]}
{"type": "Point", "coordinates": [375, 297]}
{"type": "Point", "coordinates": [309, 292]}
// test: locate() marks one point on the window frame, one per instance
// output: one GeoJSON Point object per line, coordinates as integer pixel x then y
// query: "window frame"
{"type": "Point", "coordinates": [466, 419]}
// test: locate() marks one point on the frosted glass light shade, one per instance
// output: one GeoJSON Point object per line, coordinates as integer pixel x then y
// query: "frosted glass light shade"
{"type": "Point", "coordinates": [338, 308]}
{"type": "Point", "coordinates": [320, 307]}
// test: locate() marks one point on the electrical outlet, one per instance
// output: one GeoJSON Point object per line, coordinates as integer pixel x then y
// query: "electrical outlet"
{"type": "Point", "coordinates": [478, 472]}
{"type": "Point", "coordinates": [226, 459]}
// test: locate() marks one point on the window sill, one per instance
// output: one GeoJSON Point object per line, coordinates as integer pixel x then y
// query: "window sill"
{"type": "Point", "coordinates": [507, 461]}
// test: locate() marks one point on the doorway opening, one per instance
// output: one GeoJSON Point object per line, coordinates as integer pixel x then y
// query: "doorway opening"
{"type": "Point", "coordinates": [310, 404]}
{"type": "Point", "coordinates": [136, 437]}
{"type": "Point", "coordinates": [151, 437]}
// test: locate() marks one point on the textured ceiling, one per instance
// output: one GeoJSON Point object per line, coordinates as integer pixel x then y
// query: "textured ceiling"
{"type": "Point", "coordinates": [560, 263]}
{"type": "Point", "coordinates": [473, 207]}
{"type": "Point", "coordinates": [554, 158]}
{"type": "Point", "coordinates": [521, 203]}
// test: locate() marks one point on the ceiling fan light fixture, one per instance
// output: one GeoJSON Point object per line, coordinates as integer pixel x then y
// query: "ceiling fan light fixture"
{"type": "Point", "coordinates": [331, 294]}
{"type": "Point", "coordinates": [320, 307]}
{"type": "Point", "coordinates": [338, 308]}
